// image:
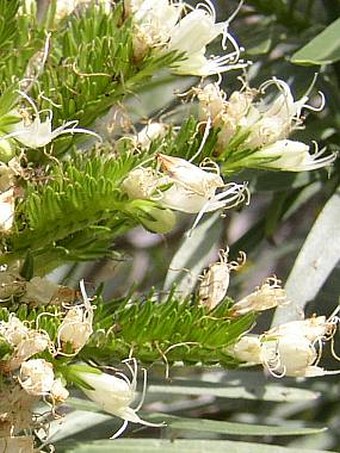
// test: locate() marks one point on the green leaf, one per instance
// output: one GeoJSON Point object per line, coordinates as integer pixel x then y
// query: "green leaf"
{"type": "Point", "coordinates": [235, 390]}
{"type": "Point", "coordinates": [234, 429]}
{"type": "Point", "coordinates": [323, 49]}
{"type": "Point", "coordinates": [182, 445]}
{"type": "Point", "coordinates": [316, 260]}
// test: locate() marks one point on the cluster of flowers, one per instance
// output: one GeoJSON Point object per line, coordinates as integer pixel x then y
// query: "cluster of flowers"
{"type": "Point", "coordinates": [183, 186]}
{"type": "Point", "coordinates": [176, 26]}
{"type": "Point", "coordinates": [290, 349]}
{"type": "Point", "coordinates": [258, 129]}
{"type": "Point", "coordinates": [36, 375]}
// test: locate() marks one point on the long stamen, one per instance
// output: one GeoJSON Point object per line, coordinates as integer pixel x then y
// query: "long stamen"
{"type": "Point", "coordinates": [120, 430]}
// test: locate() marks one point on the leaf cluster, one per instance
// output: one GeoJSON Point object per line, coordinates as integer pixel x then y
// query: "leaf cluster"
{"type": "Point", "coordinates": [170, 330]}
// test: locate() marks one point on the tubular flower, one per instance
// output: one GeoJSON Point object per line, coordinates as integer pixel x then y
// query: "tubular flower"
{"type": "Point", "coordinates": [261, 128]}
{"type": "Point", "coordinates": [159, 24]}
{"type": "Point", "coordinates": [292, 355]}
{"type": "Point", "coordinates": [269, 295]}
{"type": "Point", "coordinates": [291, 155]}
{"type": "Point", "coordinates": [37, 133]}
{"type": "Point", "coordinates": [215, 280]}
{"type": "Point", "coordinates": [58, 391]}
{"type": "Point", "coordinates": [114, 394]}
{"type": "Point", "coordinates": [194, 188]}
{"type": "Point", "coordinates": [316, 329]}
{"type": "Point", "coordinates": [183, 186]}
{"type": "Point", "coordinates": [76, 327]}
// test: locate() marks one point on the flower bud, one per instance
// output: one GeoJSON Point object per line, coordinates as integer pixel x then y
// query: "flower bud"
{"type": "Point", "coordinates": [247, 349]}
{"type": "Point", "coordinates": [215, 280]}
{"type": "Point", "coordinates": [6, 149]}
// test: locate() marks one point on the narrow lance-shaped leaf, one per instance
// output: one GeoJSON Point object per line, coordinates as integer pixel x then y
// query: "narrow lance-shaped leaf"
{"type": "Point", "coordinates": [323, 49]}
{"type": "Point", "coordinates": [316, 260]}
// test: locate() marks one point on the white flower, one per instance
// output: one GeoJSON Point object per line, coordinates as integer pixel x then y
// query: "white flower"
{"type": "Point", "coordinates": [154, 19]}
{"type": "Point", "coordinates": [76, 327]}
{"type": "Point", "coordinates": [36, 377]}
{"type": "Point", "coordinates": [194, 188]}
{"type": "Point", "coordinates": [215, 280]}
{"type": "Point", "coordinates": [114, 394]}
{"type": "Point", "coordinates": [295, 348]}
{"type": "Point", "coordinates": [290, 155]}
{"type": "Point", "coordinates": [292, 355]}
{"type": "Point", "coordinates": [269, 121]}
{"type": "Point", "coordinates": [212, 102]}
{"type": "Point", "coordinates": [13, 331]}
{"type": "Point", "coordinates": [7, 202]}
{"type": "Point", "coordinates": [25, 341]}
{"type": "Point", "coordinates": [182, 186]}
{"type": "Point", "coordinates": [36, 133]}
{"type": "Point", "coordinates": [315, 329]}
{"type": "Point", "coordinates": [193, 33]}
{"type": "Point", "coordinates": [159, 24]}
{"type": "Point", "coordinates": [269, 295]}
{"type": "Point", "coordinates": [33, 343]}
{"type": "Point", "coordinates": [290, 349]}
